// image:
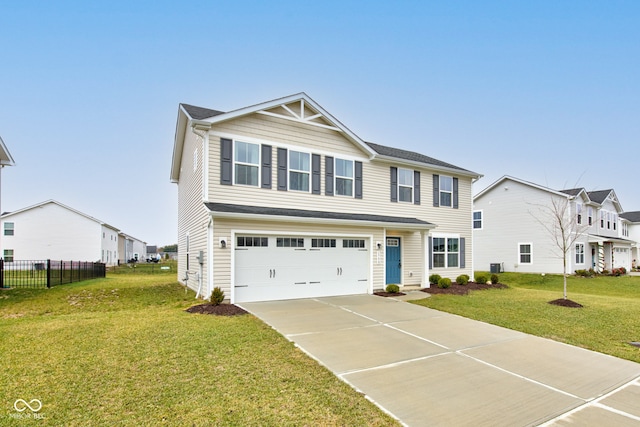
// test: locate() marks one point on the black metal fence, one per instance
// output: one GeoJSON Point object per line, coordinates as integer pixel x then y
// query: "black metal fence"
{"type": "Point", "coordinates": [47, 273]}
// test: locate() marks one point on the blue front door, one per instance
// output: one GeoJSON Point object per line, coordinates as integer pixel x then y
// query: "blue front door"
{"type": "Point", "coordinates": [394, 264]}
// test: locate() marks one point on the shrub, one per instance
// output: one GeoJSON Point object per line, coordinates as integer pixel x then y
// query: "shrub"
{"type": "Point", "coordinates": [495, 279]}
{"type": "Point", "coordinates": [481, 278]}
{"type": "Point", "coordinates": [434, 279]}
{"type": "Point", "coordinates": [619, 271]}
{"type": "Point", "coordinates": [444, 283]}
{"type": "Point", "coordinates": [462, 279]}
{"type": "Point", "coordinates": [585, 273]}
{"type": "Point", "coordinates": [393, 289]}
{"type": "Point", "coordinates": [217, 296]}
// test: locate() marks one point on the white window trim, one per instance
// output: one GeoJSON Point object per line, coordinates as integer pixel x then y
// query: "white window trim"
{"type": "Point", "coordinates": [411, 187]}
{"type": "Point", "coordinates": [440, 191]}
{"type": "Point", "coordinates": [576, 253]}
{"type": "Point", "coordinates": [236, 162]}
{"type": "Point", "coordinates": [473, 220]}
{"type": "Point", "coordinates": [520, 253]}
{"type": "Point", "coordinates": [351, 178]}
{"type": "Point", "coordinates": [446, 238]}
{"type": "Point", "coordinates": [289, 170]}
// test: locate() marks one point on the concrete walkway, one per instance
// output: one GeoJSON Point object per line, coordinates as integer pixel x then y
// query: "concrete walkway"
{"type": "Point", "coordinates": [429, 368]}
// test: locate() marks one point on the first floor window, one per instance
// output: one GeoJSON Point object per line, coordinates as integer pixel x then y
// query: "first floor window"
{"type": "Point", "coordinates": [299, 170]}
{"type": "Point", "coordinates": [405, 185]}
{"type": "Point", "coordinates": [344, 177]}
{"type": "Point", "coordinates": [446, 252]}
{"type": "Point", "coordinates": [477, 220]}
{"type": "Point", "coordinates": [8, 255]}
{"type": "Point", "coordinates": [525, 253]}
{"type": "Point", "coordinates": [247, 162]}
{"type": "Point", "coordinates": [579, 253]}
{"type": "Point", "coordinates": [8, 228]}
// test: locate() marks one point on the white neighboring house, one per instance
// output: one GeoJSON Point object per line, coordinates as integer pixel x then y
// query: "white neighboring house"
{"type": "Point", "coordinates": [506, 231]}
{"type": "Point", "coordinates": [131, 248]}
{"type": "Point", "coordinates": [280, 200]}
{"type": "Point", "coordinates": [632, 225]}
{"type": "Point", "coordinates": [51, 230]}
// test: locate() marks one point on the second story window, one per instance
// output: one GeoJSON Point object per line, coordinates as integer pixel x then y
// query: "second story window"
{"type": "Point", "coordinates": [344, 177]}
{"type": "Point", "coordinates": [602, 219]}
{"type": "Point", "coordinates": [446, 190]}
{"type": "Point", "coordinates": [579, 213]}
{"type": "Point", "coordinates": [8, 228]}
{"type": "Point", "coordinates": [590, 215]}
{"type": "Point", "coordinates": [299, 171]}
{"type": "Point", "coordinates": [477, 220]}
{"type": "Point", "coordinates": [405, 185]}
{"type": "Point", "coordinates": [246, 163]}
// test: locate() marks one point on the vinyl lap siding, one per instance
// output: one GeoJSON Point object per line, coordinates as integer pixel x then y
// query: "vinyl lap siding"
{"type": "Point", "coordinates": [192, 215]}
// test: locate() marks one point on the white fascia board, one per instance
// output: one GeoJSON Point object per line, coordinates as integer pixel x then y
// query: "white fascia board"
{"type": "Point", "coordinates": [523, 182]}
{"type": "Point", "coordinates": [178, 144]}
{"type": "Point", "coordinates": [5, 156]}
{"type": "Point", "coordinates": [453, 171]}
{"type": "Point", "coordinates": [290, 219]}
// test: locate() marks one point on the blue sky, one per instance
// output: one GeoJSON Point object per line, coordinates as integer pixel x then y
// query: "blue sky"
{"type": "Point", "coordinates": [547, 91]}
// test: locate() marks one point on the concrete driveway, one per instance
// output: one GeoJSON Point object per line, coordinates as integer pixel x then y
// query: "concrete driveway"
{"type": "Point", "coordinates": [426, 367]}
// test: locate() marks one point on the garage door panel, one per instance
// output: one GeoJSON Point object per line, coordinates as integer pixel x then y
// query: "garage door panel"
{"type": "Point", "coordinates": [274, 272]}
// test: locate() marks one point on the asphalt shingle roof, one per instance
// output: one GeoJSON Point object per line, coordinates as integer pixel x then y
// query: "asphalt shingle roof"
{"type": "Point", "coordinates": [599, 196]}
{"type": "Point", "coordinates": [260, 210]}
{"type": "Point", "coordinates": [410, 155]}
{"type": "Point", "coordinates": [199, 113]}
{"type": "Point", "coordinates": [633, 216]}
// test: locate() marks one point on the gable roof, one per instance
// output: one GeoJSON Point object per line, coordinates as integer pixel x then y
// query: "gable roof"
{"type": "Point", "coordinates": [5, 155]}
{"type": "Point", "coordinates": [523, 182]}
{"type": "Point", "coordinates": [599, 196]}
{"type": "Point", "coordinates": [308, 112]}
{"type": "Point", "coordinates": [633, 216]}
{"type": "Point", "coordinates": [38, 205]}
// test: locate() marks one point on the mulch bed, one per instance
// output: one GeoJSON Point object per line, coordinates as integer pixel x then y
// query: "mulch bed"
{"type": "Point", "coordinates": [219, 310]}
{"type": "Point", "coordinates": [388, 294]}
{"type": "Point", "coordinates": [566, 303]}
{"type": "Point", "coordinates": [456, 289]}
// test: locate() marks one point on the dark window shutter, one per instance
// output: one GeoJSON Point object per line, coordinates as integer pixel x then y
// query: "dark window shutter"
{"type": "Point", "coordinates": [394, 184]}
{"type": "Point", "coordinates": [282, 169]}
{"type": "Point", "coordinates": [462, 264]}
{"type": "Point", "coordinates": [328, 172]}
{"type": "Point", "coordinates": [436, 190]}
{"type": "Point", "coordinates": [266, 166]}
{"type": "Point", "coordinates": [315, 173]}
{"type": "Point", "coordinates": [358, 179]}
{"type": "Point", "coordinates": [416, 187]}
{"type": "Point", "coordinates": [430, 252]}
{"type": "Point", "coordinates": [455, 193]}
{"type": "Point", "coordinates": [226, 161]}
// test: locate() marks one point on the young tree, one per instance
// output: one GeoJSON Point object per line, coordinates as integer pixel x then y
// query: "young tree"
{"type": "Point", "coordinates": [563, 227]}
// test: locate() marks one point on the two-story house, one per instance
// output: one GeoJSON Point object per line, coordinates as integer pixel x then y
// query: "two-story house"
{"type": "Point", "coordinates": [513, 227]}
{"type": "Point", "coordinates": [280, 200]}
{"type": "Point", "coordinates": [631, 230]}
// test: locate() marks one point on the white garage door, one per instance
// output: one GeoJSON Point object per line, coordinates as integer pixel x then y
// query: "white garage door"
{"type": "Point", "coordinates": [288, 267]}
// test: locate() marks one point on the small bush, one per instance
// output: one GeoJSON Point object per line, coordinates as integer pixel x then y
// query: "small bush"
{"type": "Point", "coordinates": [619, 271]}
{"type": "Point", "coordinates": [495, 279]}
{"type": "Point", "coordinates": [585, 273]}
{"type": "Point", "coordinates": [444, 283]}
{"type": "Point", "coordinates": [393, 289]}
{"type": "Point", "coordinates": [434, 279]}
{"type": "Point", "coordinates": [217, 296]}
{"type": "Point", "coordinates": [462, 279]}
{"type": "Point", "coordinates": [481, 278]}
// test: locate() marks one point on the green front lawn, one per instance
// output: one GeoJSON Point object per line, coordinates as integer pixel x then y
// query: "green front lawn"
{"type": "Point", "coordinates": [609, 320]}
{"type": "Point", "coordinates": [122, 351]}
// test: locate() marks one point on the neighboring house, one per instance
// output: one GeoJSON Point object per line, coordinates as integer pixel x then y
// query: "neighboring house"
{"type": "Point", "coordinates": [632, 223]}
{"type": "Point", "coordinates": [130, 248]}
{"type": "Point", "coordinates": [5, 160]}
{"type": "Point", "coordinates": [51, 230]}
{"type": "Point", "coordinates": [280, 200]}
{"type": "Point", "coordinates": [507, 229]}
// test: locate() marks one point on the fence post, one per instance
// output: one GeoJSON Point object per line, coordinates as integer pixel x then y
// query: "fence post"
{"type": "Point", "coordinates": [48, 273]}
{"type": "Point", "coordinates": [1, 272]}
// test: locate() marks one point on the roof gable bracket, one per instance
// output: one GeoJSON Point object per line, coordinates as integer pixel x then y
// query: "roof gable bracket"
{"type": "Point", "coordinates": [299, 117]}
